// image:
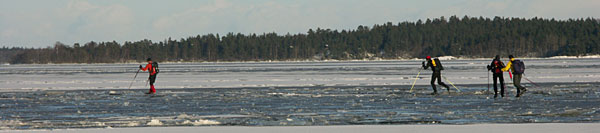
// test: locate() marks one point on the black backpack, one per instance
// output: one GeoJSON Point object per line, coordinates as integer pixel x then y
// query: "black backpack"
{"type": "Point", "coordinates": [438, 64]}
{"type": "Point", "coordinates": [155, 67]}
{"type": "Point", "coordinates": [518, 67]}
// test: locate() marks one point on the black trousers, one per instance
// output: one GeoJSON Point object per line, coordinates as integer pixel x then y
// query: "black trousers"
{"type": "Point", "coordinates": [499, 76]}
{"type": "Point", "coordinates": [437, 76]}
{"type": "Point", "coordinates": [152, 79]}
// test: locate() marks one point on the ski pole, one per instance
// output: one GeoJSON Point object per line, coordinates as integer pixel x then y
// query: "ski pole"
{"type": "Point", "coordinates": [136, 73]}
{"type": "Point", "coordinates": [530, 81]}
{"type": "Point", "coordinates": [413, 85]}
{"type": "Point", "coordinates": [451, 83]}
{"type": "Point", "coordinates": [488, 77]}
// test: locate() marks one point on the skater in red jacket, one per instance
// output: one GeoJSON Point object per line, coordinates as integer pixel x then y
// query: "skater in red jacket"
{"type": "Point", "coordinates": [152, 68]}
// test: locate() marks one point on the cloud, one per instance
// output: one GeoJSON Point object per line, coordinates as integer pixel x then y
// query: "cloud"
{"type": "Point", "coordinates": [82, 21]}
{"type": "Point", "coordinates": [94, 22]}
{"type": "Point", "coordinates": [22, 26]}
{"type": "Point", "coordinates": [76, 21]}
{"type": "Point", "coordinates": [274, 16]}
{"type": "Point", "coordinates": [564, 9]}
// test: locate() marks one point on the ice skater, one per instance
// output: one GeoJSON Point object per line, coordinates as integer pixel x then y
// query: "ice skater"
{"type": "Point", "coordinates": [152, 68]}
{"type": "Point", "coordinates": [436, 67]}
{"type": "Point", "coordinates": [518, 68]}
{"type": "Point", "coordinates": [496, 68]}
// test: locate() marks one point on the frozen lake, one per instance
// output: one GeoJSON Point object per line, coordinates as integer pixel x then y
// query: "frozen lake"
{"type": "Point", "coordinates": [291, 94]}
{"type": "Point", "coordinates": [280, 74]}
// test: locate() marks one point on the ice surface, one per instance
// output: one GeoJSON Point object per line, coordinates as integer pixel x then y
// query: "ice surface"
{"type": "Point", "coordinates": [297, 106]}
{"type": "Point", "coordinates": [280, 74]}
{"type": "Point", "coordinates": [154, 122]}
{"type": "Point", "coordinates": [292, 94]}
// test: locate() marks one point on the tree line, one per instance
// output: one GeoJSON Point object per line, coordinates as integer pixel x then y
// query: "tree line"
{"type": "Point", "coordinates": [453, 36]}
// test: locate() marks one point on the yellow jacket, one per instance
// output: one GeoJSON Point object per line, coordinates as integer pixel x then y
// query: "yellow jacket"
{"type": "Point", "coordinates": [509, 66]}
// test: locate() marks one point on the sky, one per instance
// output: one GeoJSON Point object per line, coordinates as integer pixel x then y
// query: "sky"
{"type": "Point", "coordinates": [42, 23]}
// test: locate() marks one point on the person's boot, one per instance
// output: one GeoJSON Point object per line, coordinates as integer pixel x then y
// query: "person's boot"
{"type": "Point", "coordinates": [447, 87]}
{"type": "Point", "coordinates": [495, 94]}
{"type": "Point", "coordinates": [434, 92]}
{"type": "Point", "coordinates": [152, 90]}
{"type": "Point", "coordinates": [522, 91]}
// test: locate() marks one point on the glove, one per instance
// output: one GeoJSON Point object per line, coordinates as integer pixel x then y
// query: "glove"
{"type": "Point", "coordinates": [423, 64]}
{"type": "Point", "coordinates": [140, 66]}
{"type": "Point", "coordinates": [489, 67]}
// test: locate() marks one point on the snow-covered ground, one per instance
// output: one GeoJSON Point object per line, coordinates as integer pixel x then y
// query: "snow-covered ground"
{"type": "Point", "coordinates": [291, 94]}
{"type": "Point", "coordinates": [278, 74]}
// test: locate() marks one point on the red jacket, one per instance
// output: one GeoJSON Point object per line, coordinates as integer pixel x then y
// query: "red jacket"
{"type": "Point", "coordinates": [150, 69]}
